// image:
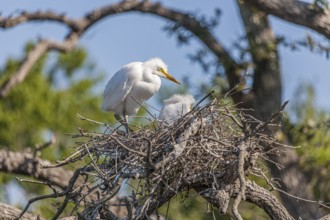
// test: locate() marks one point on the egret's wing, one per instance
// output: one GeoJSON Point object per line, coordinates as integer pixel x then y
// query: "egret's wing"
{"type": "Point", "coordinates": [119, 86]}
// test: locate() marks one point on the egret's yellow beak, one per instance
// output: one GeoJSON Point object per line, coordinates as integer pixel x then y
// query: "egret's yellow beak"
{"type": "Point", "coordinates": [169, 76]}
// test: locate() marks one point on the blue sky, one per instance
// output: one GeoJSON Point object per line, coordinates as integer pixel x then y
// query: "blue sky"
{"type": "Point", "coordinates": [136, 37]}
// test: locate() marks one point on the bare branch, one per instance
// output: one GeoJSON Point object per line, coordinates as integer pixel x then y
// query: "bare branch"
{"type": "Point", "coordinates": [297, 12]}
{"type": "Point", "coordinates": [36, 16]}
{"type": "Point", "coordinates": [9, 213]}
{"type": "Point", "coordinates": [32, 57]}
{"type": "Point", "coordinates": [25, 67]}
{"type": "Point", "coordinates": [26, 164]}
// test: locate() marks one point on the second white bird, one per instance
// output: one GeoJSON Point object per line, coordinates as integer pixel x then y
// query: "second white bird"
{"type": "Point", "coordinates": [175, 107]}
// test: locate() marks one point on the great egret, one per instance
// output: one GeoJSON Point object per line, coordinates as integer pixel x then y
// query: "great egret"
{"type": "Point", "coordinates": [132, 85]}
{"type": "Point", "coordinates": [176, 106]}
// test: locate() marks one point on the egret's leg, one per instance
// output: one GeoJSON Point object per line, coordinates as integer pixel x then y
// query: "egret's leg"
{"type": "Point", "coordinates": [120, 120]}
{"type": "Point", "coordinates": [123, 122]}
{"type": "Point", "coordinates": [126, 122]}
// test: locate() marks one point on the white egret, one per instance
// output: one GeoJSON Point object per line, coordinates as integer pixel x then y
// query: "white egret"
{"type": "Point", "coordinates": [132, 85]}
{"type": "Point", "coordinates": [175, 107]}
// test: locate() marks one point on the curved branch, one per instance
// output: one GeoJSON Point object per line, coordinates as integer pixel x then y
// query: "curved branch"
{"type": "Point", "coordinates": [79, 26]}
{"type": "Point", "coordinates": [27, 164]}
{"type": "Point", "coordinates": [184, 19]}
{"type": "Point", "coordinates": [297, 12]}
{"type": "Point", "coordinates": [37, 16]}
{"type": "Point", "coordinates": [267, 201]}
{"type": "Point", "coordinates": [187, 21]}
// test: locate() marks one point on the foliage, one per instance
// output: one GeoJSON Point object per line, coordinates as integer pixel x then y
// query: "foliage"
{"type": "Point", "coordinates": [38, 108]}
{"type": "Point", "coordinates": [309, 129]}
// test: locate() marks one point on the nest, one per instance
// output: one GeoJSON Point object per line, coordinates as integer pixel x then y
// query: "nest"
{"type": "Point", "coordinates": [202, 149]}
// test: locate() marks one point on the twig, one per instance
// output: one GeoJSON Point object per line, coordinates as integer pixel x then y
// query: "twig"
{"type": "Point", "coordinates": [38, 182]}
{"type": "Point", "coordinates": [90, 120]}
{"type": "Point", "coordinates": [200, 101]}
{"type": "Point", "coordinates": [45, 145]}
{"type": "Point", "coordinates": [67, 160]}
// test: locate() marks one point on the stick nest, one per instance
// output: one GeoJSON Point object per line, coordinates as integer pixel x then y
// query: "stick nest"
{"type": "Point", "coordinates": [201, 149]}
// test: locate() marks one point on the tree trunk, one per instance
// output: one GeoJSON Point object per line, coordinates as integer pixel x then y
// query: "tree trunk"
{"type": "Point", "coordinates": [266, 93]}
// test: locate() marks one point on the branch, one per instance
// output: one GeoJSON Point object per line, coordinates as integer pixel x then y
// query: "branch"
{"type": "Point", "coordinates": [253, 194]}
{"type": "Point", "coordinates": [297, 12]}
{"type": "Point", "coordinates": [242, 188]}
{"type": "Point", "coordinates": [267, 201]}
{"type": "Point", "coordinates": [26, 164]}
{"type": "Point", "coordinates": [191, 24]}
{"type": "Point", "coordinates": [36, 16]}
{"type": "Point", "coordinates": [32, 57]}
{"type": "Point", "coordinates": [79, 26]}
{"type": "Point", "coordinates": [9, 212]}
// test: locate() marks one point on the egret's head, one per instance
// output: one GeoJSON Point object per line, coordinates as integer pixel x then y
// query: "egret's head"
{"type": "Point", "coordinates": [159, 68]}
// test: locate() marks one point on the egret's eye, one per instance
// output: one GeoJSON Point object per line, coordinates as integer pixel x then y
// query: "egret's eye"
{"type": "Point", "coordinates": [159, 69]}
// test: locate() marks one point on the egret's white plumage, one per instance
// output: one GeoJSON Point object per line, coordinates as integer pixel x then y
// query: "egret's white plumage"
{"type": "Point", "coordinates": [175, 107]}
{"type": "Point", "coordinates": [133, 84]}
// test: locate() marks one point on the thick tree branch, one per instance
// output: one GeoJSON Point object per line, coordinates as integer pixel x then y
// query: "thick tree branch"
{"type": "Point", "coordinates": [267, 201]}
{"type": "Point", "coordinates": [23, 163]}
{"type": "Point", "coordinates": [297, 12]}
{"type": "Point", "coordinates": [79, 26]}
{"type": "Point", "coordinates": [9, 212]}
